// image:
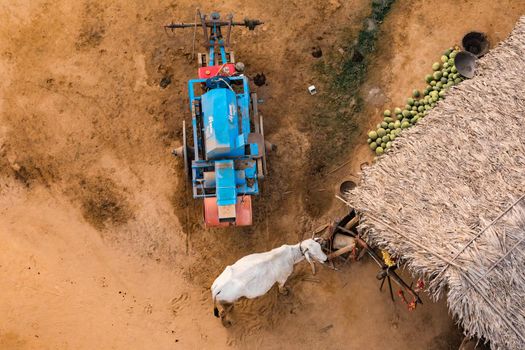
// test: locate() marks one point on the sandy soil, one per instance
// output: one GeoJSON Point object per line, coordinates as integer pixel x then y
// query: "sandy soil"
{"type": "Point", "coordinates": [101, 246]}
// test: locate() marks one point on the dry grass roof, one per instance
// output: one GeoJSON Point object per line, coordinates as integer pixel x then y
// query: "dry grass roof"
{"type": "Point", "coordinates": [449, 198]}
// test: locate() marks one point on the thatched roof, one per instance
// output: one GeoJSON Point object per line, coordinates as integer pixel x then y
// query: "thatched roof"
{"type": "Point", "coordinates": [449, 198]}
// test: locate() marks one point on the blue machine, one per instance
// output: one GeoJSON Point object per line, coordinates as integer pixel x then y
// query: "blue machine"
{"type": "Point", "coordinates": [228, 157]}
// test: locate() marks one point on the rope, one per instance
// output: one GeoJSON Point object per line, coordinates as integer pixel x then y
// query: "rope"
{"type": "Point", "coordinates": [480, 233]}
{"type": "Point", "coordinates": [499, 260]}
{"type": "Point", "coordinates": [225, 82]}
{"type": "Point", "coordinates": [466, 276]}
{"type": "Point", "coordinates": [413, 241]}
{"type": "Point", "coordinates": [243, 196]}
{"type": "Point", "coordinates": [496, 310]}
{"type": "Point", "coordinates": [439, 256]}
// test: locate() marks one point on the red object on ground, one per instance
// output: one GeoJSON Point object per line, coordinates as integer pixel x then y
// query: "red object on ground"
{"type": "Point", "coordinates": [243, 211]}
{"type": "Point", "coordinates": [420, 285]}
{"type": "Point", "coordinates": [411, 305]}
{"type": "Point", "coordinates": [226, 70]}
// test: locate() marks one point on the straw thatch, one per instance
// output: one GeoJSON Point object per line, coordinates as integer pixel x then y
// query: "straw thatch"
{"type": "Point", "coordinates": [449, 199]}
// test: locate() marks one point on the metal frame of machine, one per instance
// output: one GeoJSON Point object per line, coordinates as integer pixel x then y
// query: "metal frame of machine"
{"type": "Point", "coordinates": [228, 157]}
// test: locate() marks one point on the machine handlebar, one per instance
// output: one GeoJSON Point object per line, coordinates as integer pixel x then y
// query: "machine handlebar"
{"type": "Point", "coordinates": [249, 23]}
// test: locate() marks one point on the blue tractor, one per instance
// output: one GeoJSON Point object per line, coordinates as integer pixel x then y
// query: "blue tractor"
{"type": "Point", "coordinates": [227, 157]}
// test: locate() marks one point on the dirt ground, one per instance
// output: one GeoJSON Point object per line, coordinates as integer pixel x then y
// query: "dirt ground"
{"type": "Point", "coordinates": [101, 246]}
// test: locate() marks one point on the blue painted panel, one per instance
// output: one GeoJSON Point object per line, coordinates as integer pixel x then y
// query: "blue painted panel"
{"type": "Point", "coordinates": [219, 107]}
{"type": "Point", "coordinates": [225, 182]}
{"type": "Point", "coordinates": [223, 141]}
{"type": "Point", "coordinates": [244, 102]}
{"type": "Point", "coordinates": [254, 149]}
{"type": "Point", "coordinates": [241, 176]}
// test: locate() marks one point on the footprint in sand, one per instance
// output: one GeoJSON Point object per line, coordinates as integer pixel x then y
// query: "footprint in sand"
{"type": "Point", "coordinates": [177, 303]}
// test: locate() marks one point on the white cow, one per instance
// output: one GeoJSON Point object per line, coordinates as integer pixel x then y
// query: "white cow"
{"type": "Point", "coordinates": [254, 274]}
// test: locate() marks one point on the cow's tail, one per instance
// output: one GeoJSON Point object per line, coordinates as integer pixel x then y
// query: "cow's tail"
{"type": "Point", "coordinates": [215, 309]}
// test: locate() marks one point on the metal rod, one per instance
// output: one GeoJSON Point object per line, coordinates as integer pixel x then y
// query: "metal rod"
{"type": "Point", "coordinates": [390, 288]}
{"type": "Point", "coordinates": [208, 24]}
{"type": "Point", "coordinates": [230, 21]}
{"type": "Point", "coordinates": [194, 36]}
{"type": "Point", "coordinates": [205, 31]}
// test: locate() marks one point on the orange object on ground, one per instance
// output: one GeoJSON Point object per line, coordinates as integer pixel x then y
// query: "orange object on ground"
{"type": "Point", "coordinates": [243, 211]}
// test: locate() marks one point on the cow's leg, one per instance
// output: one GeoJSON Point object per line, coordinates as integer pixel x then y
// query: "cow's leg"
{"type": "Point", "coordinates": [226, 308]}
{"type": "Point", "coordinates": [282, 288]}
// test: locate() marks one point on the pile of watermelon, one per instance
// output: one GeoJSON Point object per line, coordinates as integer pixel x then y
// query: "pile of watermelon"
{"type": "Point", "coordinates": [444, 76]}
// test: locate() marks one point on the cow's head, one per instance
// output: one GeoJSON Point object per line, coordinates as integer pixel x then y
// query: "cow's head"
{"type": "Point", "coordinates": [311, 248]}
